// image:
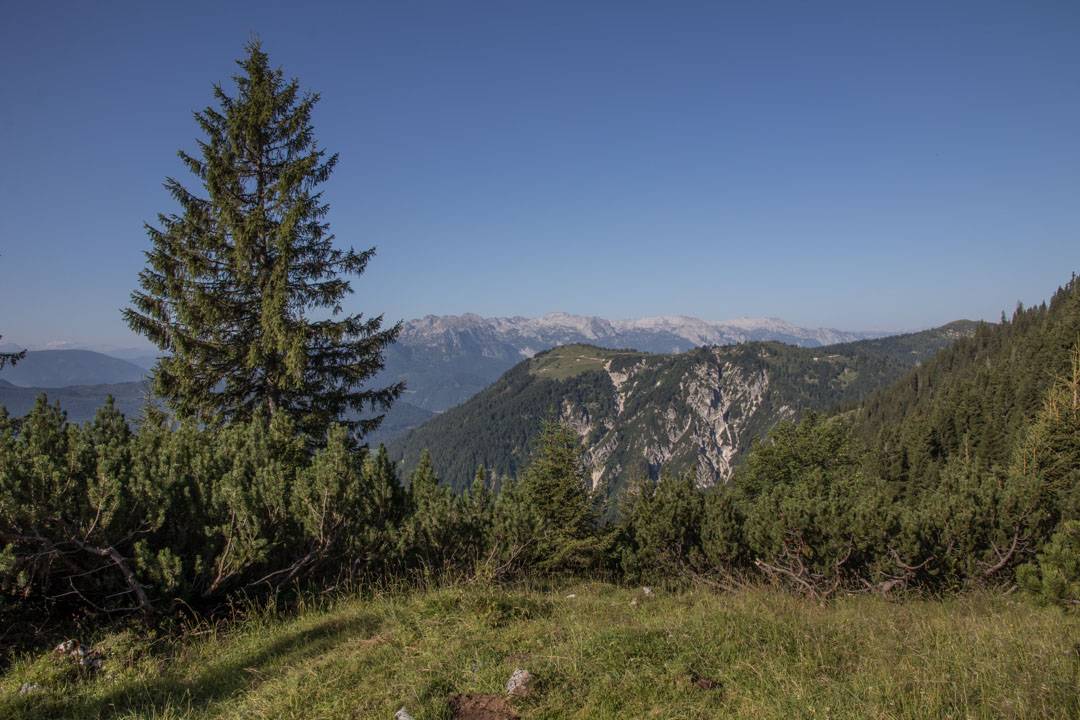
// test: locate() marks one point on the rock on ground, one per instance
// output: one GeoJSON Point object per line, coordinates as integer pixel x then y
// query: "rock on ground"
{"type": "Point", "coordinates": [520, 683]}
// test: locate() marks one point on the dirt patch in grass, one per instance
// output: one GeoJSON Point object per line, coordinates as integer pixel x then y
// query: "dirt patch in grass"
{"type": "Point", "coordinates": [705, 683]}
{"type": "Point", "coordinates": [472, 706]}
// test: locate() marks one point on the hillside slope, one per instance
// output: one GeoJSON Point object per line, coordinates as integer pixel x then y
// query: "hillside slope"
{"type": "Point", "coordinates": [640, 414]}
{"type": "Point", "coordinates": [80, 402]}
{"type": "Point", "coordinates": [444, 360]}
{"type": "Point", "coordinates": [976, 397]}
{"type": "Point", "coordinates": [62, 368]}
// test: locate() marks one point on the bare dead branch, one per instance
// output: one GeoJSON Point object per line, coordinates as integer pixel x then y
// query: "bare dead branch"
{"type": "Point", "coordinates": [1003, 558]}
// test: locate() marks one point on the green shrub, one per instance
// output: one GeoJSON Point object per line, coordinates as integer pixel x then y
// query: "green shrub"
{"type": "Point", "coordinates": [1055, 576]}
{"type": "Point", "coordinates": [110, 519]}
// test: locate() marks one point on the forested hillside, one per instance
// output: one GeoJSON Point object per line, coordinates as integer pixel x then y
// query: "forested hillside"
{"type": "Point", "coordinates": [79, 402]}
{"type": "Point", "coordinates": [965, 472]}
{"type": "Point", "coordinates": [443, 360]}
{"type": "Point", "coordinates": [974, 398]}
{"type": "Point", "coordinates": [639, 414]}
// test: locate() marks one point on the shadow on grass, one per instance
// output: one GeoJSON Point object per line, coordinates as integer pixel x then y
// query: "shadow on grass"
{"type": "Point", "coordinates": [174, 689]}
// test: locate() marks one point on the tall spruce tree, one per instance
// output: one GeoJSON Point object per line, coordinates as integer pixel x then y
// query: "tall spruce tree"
{"type": "Point", "coordinates": [232, 282]}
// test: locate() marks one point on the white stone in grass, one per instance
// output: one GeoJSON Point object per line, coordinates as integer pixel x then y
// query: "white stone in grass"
{"type": "Point", "coordinates": [520, 683]}
{"type": "Point", "coordinates": [402, 714]}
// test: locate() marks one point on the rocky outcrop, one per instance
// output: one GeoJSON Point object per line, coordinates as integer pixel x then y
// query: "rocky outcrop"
{"type": "Point", "coordinates": [706, 419]}
{"type": "Point", "coordinates": [640, 415]}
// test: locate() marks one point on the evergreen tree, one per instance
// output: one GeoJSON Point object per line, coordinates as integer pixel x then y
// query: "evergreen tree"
{"type": "Point", "coordinates": [231, 282]}
{"type": "Point", "coordinates": [1043, 489]}
{"type": "Point", "coordinates": [384, 505]}
{"type": "Point", "coordinates": [326, 501]}
{"type": "Point", "coordinates": [515, 529]}
{"type": "Point", "coordinates": [434, 529]}
{"type": "Point", "coordinates": [811, 514]}
{"type": "Point", "coordinates": [555, 488]}
{"type": "Point", "coordinates": [257, 464]}
{"type": "Point", "coordinates": [666, 521]}
{"type": "Point", "coordinates": [722, 530]}
{"type": "Point", "coordinates": [1055, 577]}
{"type": "Point", "coordinates": [479, 506]}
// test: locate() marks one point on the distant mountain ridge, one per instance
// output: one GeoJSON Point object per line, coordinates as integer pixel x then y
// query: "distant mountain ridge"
{"type": "Point", "coordinates": [669, 333]}
{"type": "Point", "coordinates": [446, 359]}
{"type": "Point", "coordinates": [63, 368]}
{"type": "Point", "coordinates": [80, 402]}
{"type": "Point", "coordinates": [640, 414]}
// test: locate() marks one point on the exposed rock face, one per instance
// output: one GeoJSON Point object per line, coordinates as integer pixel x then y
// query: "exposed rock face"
{"type": "Point", "coordinates": [640, 415]}
{"type": "Point", "coordinates": [712, 392]}
{"type": "Point", "coordinates": [697, 420]}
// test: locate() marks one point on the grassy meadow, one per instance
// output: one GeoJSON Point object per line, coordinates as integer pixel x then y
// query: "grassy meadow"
{"type": "Point", "coordinates": [570, 361]}
{"type": "Point", "coordinates": [596, 651]}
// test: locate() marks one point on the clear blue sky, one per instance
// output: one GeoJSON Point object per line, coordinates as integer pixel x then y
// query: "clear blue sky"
{"type": "Point", "coordinates": [857, 165]}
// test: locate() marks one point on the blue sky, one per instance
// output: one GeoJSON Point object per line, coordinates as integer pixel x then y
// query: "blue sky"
{"type": "Point", "coordinates": [857, 165]}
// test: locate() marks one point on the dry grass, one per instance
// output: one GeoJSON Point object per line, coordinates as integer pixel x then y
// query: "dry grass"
{"type": "Point", "coordinates": [692, 654]}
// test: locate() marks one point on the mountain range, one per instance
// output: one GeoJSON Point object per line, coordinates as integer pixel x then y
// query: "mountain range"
{"type": "Point", "coordinates": [447, 359]}
{"type": "Point", "coordinates": [640, 414]}
{"type": "Point", "coordinates": [444, 360]}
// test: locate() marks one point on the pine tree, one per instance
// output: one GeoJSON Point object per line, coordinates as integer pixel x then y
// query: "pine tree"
{"type": "Point", "coordinates": [231, 282]}
{"type": "Point", "coordinates": [667, 521]}
{"type": "Point", "coordinates": [479, 511]}
{"type": "Point", "coordinates": [376, 548]}
{"type": "Point", "coordinates": [436, 529]}
{"type": "Point", "coordinates": [1044, 482]}
{"type": "Point", "coordinates": [480, 503]}
{"type": "Point", "coordinates": [555, 489]}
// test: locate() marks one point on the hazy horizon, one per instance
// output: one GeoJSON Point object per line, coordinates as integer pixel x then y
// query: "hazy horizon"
{"type": "Point", "coordinates": [139, 345]}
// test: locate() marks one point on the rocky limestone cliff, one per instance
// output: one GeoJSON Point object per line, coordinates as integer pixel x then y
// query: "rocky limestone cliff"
{"type": "Point", "coordinates": [707, 418]}
{"type": "Point", "coordinates": [639, 415]}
